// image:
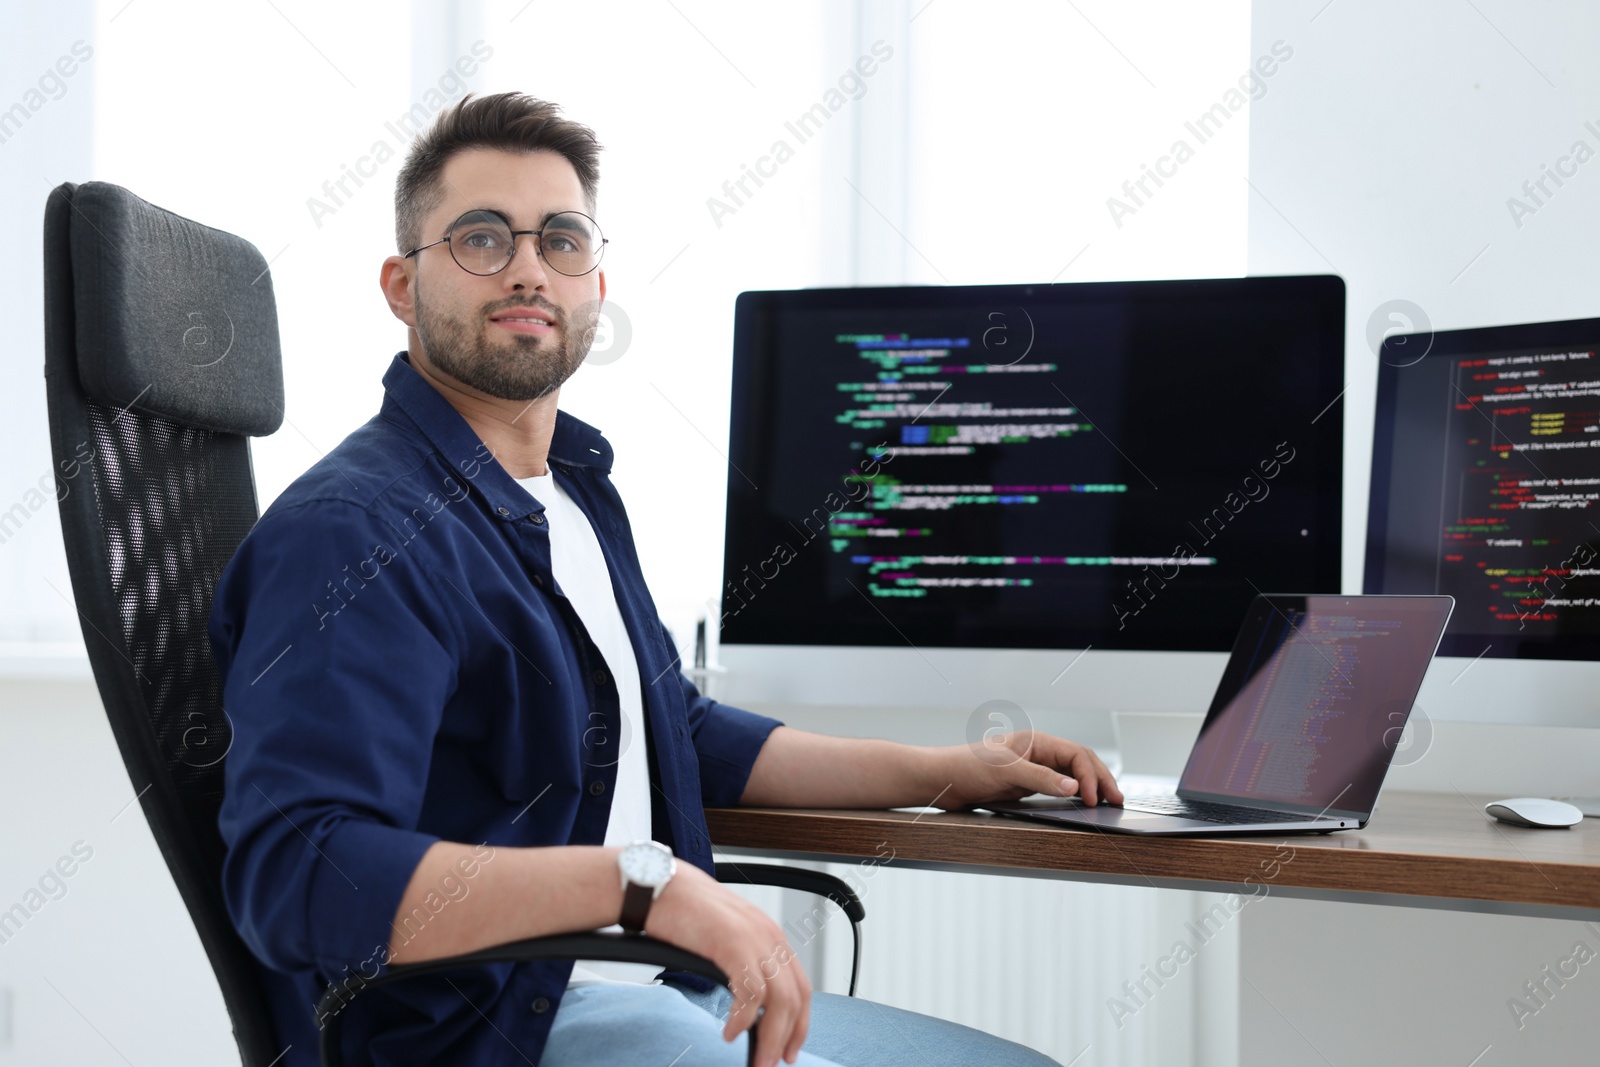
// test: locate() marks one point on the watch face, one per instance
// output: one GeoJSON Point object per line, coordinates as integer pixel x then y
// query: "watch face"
{"type": "Point", "coordinates": [646, 864]}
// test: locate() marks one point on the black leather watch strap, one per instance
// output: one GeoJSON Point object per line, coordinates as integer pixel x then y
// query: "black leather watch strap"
{"type": "Point", "coordinates": [636, 901]}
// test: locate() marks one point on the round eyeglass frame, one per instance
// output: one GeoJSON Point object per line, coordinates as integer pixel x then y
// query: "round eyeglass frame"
{"type": "Point", "coordinates": [538, 245]}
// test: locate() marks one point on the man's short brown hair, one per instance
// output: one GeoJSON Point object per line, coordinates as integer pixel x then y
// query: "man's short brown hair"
{"type": "Point", "coordinates": [512, 122]}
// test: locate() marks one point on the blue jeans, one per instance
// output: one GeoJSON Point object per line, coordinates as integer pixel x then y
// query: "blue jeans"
{"type": "Point", "coordinates": [666, 1024]}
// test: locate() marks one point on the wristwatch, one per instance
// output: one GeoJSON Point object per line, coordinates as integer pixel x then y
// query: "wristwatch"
{"type": "Point", "coordinates": [646, 867]}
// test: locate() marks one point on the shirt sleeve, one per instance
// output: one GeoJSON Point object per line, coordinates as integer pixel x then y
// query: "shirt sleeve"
{"type": "Point", "coordinates": [337, 662]}
{"type": "Point", "coordinates": [726, 740]}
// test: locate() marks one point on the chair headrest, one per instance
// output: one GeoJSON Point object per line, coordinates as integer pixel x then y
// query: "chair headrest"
{"type": "Point", "coordinates": [173, 319]}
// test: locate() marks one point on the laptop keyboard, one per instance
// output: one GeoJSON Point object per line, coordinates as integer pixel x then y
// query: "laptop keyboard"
{"type": "Point", "coordinates": [1207, 811]}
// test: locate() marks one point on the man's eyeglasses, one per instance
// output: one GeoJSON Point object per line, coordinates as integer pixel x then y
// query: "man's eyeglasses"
{"type": "Point", "coordinates": [483, 242]}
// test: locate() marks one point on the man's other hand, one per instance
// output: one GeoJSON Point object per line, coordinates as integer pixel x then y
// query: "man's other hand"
{"type": "Point", "coordinates": [697, 913]}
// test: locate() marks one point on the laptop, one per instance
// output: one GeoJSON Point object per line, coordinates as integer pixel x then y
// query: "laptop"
{"type": "Point", "coordinates": [1302, 727]}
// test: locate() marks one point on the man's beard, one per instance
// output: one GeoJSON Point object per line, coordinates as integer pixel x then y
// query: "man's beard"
{"type": "Point", "coordinates": [528, 367]}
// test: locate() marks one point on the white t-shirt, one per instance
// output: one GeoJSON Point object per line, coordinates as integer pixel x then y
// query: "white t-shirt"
{"type": "Point", "coordinates": [580, 569]}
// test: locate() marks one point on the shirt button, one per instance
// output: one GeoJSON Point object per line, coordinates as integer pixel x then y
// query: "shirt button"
{"type": "Point", "coordinates": [600, 676]}
{"type": "Point", "coordinates": [538, 518]}
{"type": "Point", "coordinates": [680, 731]}
{"type": "Point", "coordinates": [541, 1005]}
{"type": "Point", "coordinates": [503, 511]}
{"type": "Point", "coordinates": [538, 580]}
{"type": "Point", "coordinates": [596, 788]}
{"type": "Point", "coordinates": [699, 842]}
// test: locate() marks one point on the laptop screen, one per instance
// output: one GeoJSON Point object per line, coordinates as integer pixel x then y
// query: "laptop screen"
{"type": "Point", "coordinates": [1313, 701]}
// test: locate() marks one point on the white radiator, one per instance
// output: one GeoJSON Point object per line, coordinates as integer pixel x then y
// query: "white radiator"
{"type": "Point", "coordinates": [1037, 961]}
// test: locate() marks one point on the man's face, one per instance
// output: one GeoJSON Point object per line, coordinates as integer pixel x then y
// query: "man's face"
{"type": "Point", "coordinates": [475, 328]}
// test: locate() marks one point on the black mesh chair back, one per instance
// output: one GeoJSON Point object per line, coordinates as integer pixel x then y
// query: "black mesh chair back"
{"type": "Point", "coordinates": [161, 357]}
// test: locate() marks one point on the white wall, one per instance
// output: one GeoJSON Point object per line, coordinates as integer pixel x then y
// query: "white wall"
{"type": "Point", "coordinates": [109, 969]}
{"type": "Point", "coordinates": [1415, 987]}
{"type": "Point", "coordinates": [47, 143]}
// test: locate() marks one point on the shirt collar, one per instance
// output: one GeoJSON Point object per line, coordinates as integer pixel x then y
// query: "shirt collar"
{"type": "Point", "coordinates": [575, 443]}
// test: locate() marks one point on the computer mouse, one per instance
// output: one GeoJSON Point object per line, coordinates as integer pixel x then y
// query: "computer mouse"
{"type": "Point", "coordinates": [1535, 811]}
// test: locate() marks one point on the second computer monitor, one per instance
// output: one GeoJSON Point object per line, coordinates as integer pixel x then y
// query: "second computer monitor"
{"type": "Point", "coordinates": [1486, 485]}
{"type": "Point", "coordinates": [1108, 465]}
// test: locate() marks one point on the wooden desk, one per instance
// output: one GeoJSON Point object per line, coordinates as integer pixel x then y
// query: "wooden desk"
{"type": "Point", "coordinates": [1419, 850]}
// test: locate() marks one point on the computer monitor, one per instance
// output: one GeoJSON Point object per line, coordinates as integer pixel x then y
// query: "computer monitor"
{"type": "Point", "coordinates": [1112, 466]}
{"type": "Point", "coordinates": [1486, 486]}
{"type": "Point", "coordinates": [1485, 483]}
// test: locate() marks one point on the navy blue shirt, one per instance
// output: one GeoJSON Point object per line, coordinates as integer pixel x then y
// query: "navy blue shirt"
{"type": "Point", "coordinates": [400, 667]}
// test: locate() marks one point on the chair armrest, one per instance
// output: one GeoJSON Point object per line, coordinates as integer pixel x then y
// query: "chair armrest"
{"type": "Point", "coordinates": [801, 878]}
{"type": "Point", "coordinates": [808, 881]}
{"type": "Point", "coordinates": [585, 945]}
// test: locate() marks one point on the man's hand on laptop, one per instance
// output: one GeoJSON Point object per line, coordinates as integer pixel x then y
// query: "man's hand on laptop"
{"type": "Point", "coordinates": [698, 913]}
{"type": "Point", "coordinates": [1021, 763]}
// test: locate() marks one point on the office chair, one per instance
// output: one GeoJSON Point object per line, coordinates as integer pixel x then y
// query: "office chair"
{"type": "Point", "coordinates": [161, 358]}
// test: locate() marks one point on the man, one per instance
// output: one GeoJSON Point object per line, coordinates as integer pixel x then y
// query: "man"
{"type": "Point", "coordinates": [456, 710]}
